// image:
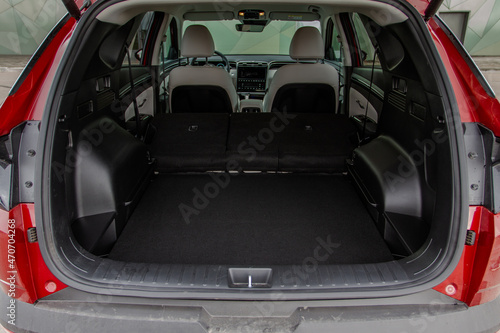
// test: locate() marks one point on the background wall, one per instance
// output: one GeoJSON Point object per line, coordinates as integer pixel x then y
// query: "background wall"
{"type": "Point", "coordinates": [25, 23]}
{"type": "Point", "coordinates": [482, 33]}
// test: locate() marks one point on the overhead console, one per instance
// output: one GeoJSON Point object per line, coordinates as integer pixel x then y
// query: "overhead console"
{"type": "Point", "coordinates": [252, 20]}
{"type": "Point", "coordinates": [252, 77]}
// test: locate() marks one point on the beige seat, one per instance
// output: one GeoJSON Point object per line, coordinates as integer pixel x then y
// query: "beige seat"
{"type": "Point", "coordinates": [200, 89]}
{"type": "Point", "coordinates": [304, 87]}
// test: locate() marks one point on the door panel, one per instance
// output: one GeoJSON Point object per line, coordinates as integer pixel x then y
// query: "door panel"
{"type": "Point", "coordinates": [145, 103]}
{"type": "Point", "coordinates": [358, 104]}
{"type": "Point", "coordinates": [359, 92]}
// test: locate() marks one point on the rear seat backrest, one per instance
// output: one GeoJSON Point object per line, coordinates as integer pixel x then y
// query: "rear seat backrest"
{"type": "Point", "coordinates": [304, 87]}
{"type": "Point", "coordinates": [195, 89]}
{"type": "Point", "coordinates": [256, 142]}
{"type": "Point", "coordinates": [318, 142]}
{"type": "Point", "coordinates": [190, 141]}
{"type": "Point", "coordinates": [245, 146]}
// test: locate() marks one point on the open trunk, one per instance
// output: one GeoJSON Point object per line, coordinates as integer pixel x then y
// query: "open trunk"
{"type": "Point", "coordinates": [307, 201]}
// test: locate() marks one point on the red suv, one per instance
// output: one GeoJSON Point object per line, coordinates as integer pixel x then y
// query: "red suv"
{"type": "Point", "coordinates": [260, 165]}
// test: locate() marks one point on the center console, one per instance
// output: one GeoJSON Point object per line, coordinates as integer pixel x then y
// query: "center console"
{"type": "Point", "coordinates": [252, 77]}
{"type": "Point", "coordinates": [251, 105]}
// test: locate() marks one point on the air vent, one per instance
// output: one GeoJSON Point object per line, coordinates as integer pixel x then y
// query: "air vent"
{"type": "Point", "coordinates": [397, 100]}
{"type": "Point", "coordinates": [253, 64]}
{"type": "Point", "coordinates": [105, 98]}
{"type": "Point", "coordinates": [103, 83]}
{"type": "Point", "coordinates": [85, 109]}
{"type": "Point", "coordinates": [277, 65]}
{"type": "Point", "coordinates": [399, 85]}
{"type": "Point", "coordinates": [418, 111]}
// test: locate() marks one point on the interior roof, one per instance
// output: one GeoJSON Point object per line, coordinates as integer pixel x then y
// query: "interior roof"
{"type": "Point", "coordinates": [383, 14]}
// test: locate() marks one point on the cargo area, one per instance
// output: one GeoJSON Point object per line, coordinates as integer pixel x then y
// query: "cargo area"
{"type": "Point", "coordinates": [252, 219]}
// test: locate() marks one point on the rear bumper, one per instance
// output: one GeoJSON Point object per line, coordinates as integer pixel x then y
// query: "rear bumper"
{"type": "Point", "coordinates": [73, 311]}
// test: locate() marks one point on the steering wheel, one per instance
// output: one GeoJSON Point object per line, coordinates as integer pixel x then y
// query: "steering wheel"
{"type": "Point", "coordinates": [227, 67]}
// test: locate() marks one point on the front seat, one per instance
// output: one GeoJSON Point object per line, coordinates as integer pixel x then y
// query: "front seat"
{"type": "Point", "coordinates": [304, 87]}
{"type": "Point", "coordinates": [200, 89]}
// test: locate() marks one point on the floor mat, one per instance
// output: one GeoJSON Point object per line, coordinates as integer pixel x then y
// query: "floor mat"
{"type": "Point", "coordinates": [250, 219]}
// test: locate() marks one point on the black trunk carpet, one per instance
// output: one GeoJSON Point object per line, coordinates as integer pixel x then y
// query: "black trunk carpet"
{"type": "Point", "coordinates": [256, 219]}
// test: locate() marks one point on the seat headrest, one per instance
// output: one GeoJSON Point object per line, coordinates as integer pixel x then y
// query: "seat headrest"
{"type": "Point", "coordinates": [307, 44]}
{"type": "Point", "coordinates": [197, 42]}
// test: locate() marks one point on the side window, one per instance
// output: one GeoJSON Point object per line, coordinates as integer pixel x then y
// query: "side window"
{"type": "Point", "coordinates": [334, 47]}
{"type": "Point", "coordinates": [139, 41]}
{"type": "Point", "coordinates": [364, 43]}
{"type": "Point", "coordinates": [170, 49]}
{"type": "Point", "coordinates": [457, 22]}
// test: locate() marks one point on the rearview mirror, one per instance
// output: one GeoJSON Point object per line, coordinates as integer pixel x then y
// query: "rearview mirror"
{"type": "Point", "coordinates": [249, 28]}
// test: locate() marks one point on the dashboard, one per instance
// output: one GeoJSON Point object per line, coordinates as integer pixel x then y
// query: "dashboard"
{"type": "Point", "coordinates": [251, 77]}
{"type": "Point", "coordinates": [252, 74]}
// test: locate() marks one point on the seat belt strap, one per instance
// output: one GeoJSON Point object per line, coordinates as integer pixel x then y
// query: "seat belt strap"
{"type": "Point", "coordinates": [369, 94]}
{"type": "Point", "coordinates": [132, 92]}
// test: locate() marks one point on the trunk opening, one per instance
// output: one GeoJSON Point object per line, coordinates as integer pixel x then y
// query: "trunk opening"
{"type": "Point", "coordinates": [199, 195]}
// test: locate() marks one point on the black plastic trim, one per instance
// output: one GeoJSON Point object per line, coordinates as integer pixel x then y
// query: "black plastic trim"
{"type": "Point", "coordinates": [17, 171]}
{"type": "Point", "coordinates": [478, 163]}
{"type": "Point", "coordinates": [432, 9]}
{"type": "Point", "coordinates": [70, 310]}
{"type": "Point", "coordinates": [483, 166]}
{"type": "Point", "coordinates": [72, 8]}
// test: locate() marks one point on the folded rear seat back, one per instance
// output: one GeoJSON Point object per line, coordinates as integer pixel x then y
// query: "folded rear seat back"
{"type": "Point", "coordinates": [316, 142]}
{"type": "Point", "coordinates": [190, 141]}
{"type": "Point", "coordinates": [253, 141]}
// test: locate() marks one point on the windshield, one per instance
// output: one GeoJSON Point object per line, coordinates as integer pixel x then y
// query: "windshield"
{"type": "Point", "coordinates": [275, 39]}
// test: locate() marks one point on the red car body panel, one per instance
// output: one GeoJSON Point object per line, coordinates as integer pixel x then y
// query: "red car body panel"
{"type": "Point", "coordinates": [457, 285]}
{"type": "Point", "coordinates": [474, 103]}
{"type": "Point", "coordinates": [485, 280]}
{"type": "Point", "coordinates": [28, 102]}
{"type": "Point", "coordinates": [476, 279]}
{"type": "Point", "coordinates": [27, 270]}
